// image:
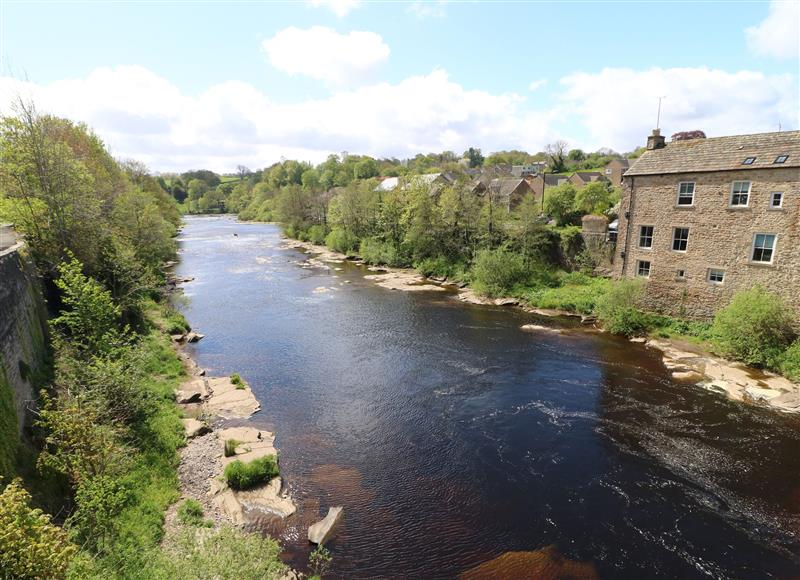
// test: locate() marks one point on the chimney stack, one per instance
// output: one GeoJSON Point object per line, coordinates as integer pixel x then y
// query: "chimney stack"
{"type": "Point", "coordinates": [656, 140]}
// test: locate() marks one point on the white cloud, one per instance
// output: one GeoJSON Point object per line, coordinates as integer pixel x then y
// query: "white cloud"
{"type": "Point", "coordinates": [618, 106]}
{"type": "Point", "coordinates": [428, 9]}
{"type": "Point", "coordinates": [537, 84]}
{"type": "Point", "coordinates": [142, 115]}
{"type": "Point", "coordinates": [339, 7]}
{"type": "Point", "coordinates": [323, 54]}
{"type": "Point", "coordinates": [778, 35]}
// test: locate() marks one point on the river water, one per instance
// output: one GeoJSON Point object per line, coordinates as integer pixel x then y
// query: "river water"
{"type": "Point", "coordinates": [451, 437]}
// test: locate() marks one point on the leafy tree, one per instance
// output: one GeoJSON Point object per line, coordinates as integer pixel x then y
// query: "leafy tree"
{"type": "Point", "coordinates": [594, 198]}
{"type": "Point", "coordinates": [556, 153]}
{"type": "Point", "coordinates": [619, 309]}
{"type": "Point", "coordinates": [474, 156]}
{"type": "Point", "coordinates": [559, 203]}
{"type": "Point", "coordinates": [366, 168]}
{"type": "Point", "coordinates": [210, 178]}
{"type": "Point", "coordinates": [31, 547]}
{"type": "Point", "coordinates": [576, 155]}
{"type": "Point", "coordinates": [196, 189]}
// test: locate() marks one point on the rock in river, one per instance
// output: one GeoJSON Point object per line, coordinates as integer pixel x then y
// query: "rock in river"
{"type": "Point", "coordinates": [320, 531]}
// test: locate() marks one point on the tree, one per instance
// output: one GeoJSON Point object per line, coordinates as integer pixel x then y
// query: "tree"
{"type": "Point", "coordinates": [559, 203]}
{"type": "Point", "coordinates": [242, 172]}
{"type": "Point", "coordinates": [576, 155]}
{"type": "Point", "coordinates": [595, 197]}
{"type": "Point", "coordinates": [474, 156]}
{"type": "Point", "coordinates": [556, 153]}
{"type": "Point", "coordinates": [196, 189]}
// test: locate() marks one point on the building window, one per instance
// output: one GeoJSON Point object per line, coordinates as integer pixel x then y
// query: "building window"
{"type": "Point", "coordinates": [740, 194]}
{"type": "Point", "coordinates": [781, 159]}
{"type": "Point", "coordinates": [716, 276]}
{"type": "Point", "coordinates": [680, 275]}
{"type": "Point", "coordinates": [608, 171]}
{"type": "Point", "coordinates": [646, 237]}
{"type": "Point", "coordinates": [748, 161]}
{"type": "Point", "coordinates": [763, 248]}
{"type": "Point", "coordinates": [776, 199]}
{"type": "Point", "coordinates": [686, 193]}
{"type": "Point", "coordinates": [643, 269]}
{"type": "Point", "coordinates": [680, 239]}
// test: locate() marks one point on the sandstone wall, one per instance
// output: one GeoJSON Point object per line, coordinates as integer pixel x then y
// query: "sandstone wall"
{"type": "Point", "coordinates": [23, 346]}
{"type": "Point", "coordinates": [720, 237]}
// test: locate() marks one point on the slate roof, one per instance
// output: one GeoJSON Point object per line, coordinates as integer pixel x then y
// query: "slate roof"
{"type": "Point", "coordinates": [720, 154]}
{"type": "Point", "coordinates": [588, 176]}
{"type": "Point", "coordinates": [505, 186]}
{"type": "Point", "coordinates": [552, 179]}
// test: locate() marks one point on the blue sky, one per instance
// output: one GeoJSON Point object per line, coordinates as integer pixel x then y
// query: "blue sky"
{"type": "Point", "coordinates": [185, 84]}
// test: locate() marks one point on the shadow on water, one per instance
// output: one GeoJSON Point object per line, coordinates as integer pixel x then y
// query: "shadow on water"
{"type": "Point", "coordinates": [452, 438]}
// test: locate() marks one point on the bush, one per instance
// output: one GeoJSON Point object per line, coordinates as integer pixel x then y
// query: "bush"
{"type": "Point", "coordinates": [618, 310]}
{"type": "Point", "coordinates": [497, 272]}
{"type": "Point", "coordinates": [240, 476]}
{"type": "Point", "coordinates": [190, 513]}
{"type": "Point", "coordinates": [441, 267]}
{"type": "Point", "coordinates": [316, 235]}
{"type": "Point", "coordinates": [754, 328]}
{"type": "Point", "coordinates": [374, 251]}
{"type": "Point", "coordinates": [237, 380]}
{"type": "Point", "coordinates": [30, 546]}
{"type": "Point", "coordinates": [790, 362]}
{"type": "Point", "coordinates": [230, 447]}
{"type": "Point", "coordinates": [577, 293]}
{"type": "Point", "coordinates": [174, 321]}
{"type": "Point", "coordinates": [342, 241]}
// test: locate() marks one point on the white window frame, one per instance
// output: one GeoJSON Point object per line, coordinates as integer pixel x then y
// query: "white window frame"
{"type": "Point", "coordinates": [749, 192]}
{"type": "Point", "coordinates": [652, 237]}
{"type": "Point", "coordinates": [674, 231]}
{"type": "Point", "coordinates": [772, 200]}
{"type": "Point", "coordinates": [680, 274]}
{"type": "Point", "coordinates": [717, 282]}
{"type": "Point", "coordinates": [680, 194]}
{"type": "Point", "coordinates": [753, 248]}
{"type": "Point", "coordinates": [639, 268]}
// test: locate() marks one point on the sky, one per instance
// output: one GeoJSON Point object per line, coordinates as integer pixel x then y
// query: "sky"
{"type": "Point", "coordinates": [184, 85]}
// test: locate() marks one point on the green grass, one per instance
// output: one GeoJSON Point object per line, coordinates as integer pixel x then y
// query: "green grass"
{"type": "Point", "coordinates": [241, 476]}
{"type": "Point", "coordinates": [230, 447]}
{"type": "Point", "coordinates": [237, 380]}
{"type": "Point", "coordinates": [190, 513]}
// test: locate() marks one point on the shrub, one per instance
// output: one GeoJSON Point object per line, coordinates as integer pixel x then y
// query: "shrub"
{"type": "Point", "coordinates": [374, 251]}
{"type": "Point", "coordinates": [230, 447]}
{"type": "Point", "coordinates": [316, 235]}
{"type": "Point", "coordinates": [342, 241]}
{"type": "Point", "coordinates": [790, 362]}
{"type": "Point", "coordinates": [319, 561]}
{"type": "Point", "coordinates": [190, 513]}
{"type": "Point", "coordinates": [754, 328]}
{"type": "Point", "coordinates": [236, 379]}
{"type": "Point", "coordinates": [441, 267]}
{"type": "Point", "coordinates": [240, 476]}
{"type": "Point", "coordinates": [618, 309]}
{"type": "Point", "coordinates": [496, 272]}
{"type": "Point", "coordinates": [578, 293]}
{"type": "Point", "coordinates": [30, 546]}
{"type": "Point", "coordinates": [174, 321]}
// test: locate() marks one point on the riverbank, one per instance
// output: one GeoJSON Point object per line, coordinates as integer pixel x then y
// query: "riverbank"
{"type": "Point", "coordinates": [689, 363]}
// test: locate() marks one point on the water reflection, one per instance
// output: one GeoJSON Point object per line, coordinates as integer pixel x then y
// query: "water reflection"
{"type": "Point", "coordinates": [451, 437]}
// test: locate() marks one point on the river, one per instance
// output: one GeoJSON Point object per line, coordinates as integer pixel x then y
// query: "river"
{"type": "Point", "coordinates": [451, 437]}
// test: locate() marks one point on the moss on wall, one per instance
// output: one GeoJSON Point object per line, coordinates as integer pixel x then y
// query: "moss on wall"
{"type": "Point", "coordinates": [9, 436]}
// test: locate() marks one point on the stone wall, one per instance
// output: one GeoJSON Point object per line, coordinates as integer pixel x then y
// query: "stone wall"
{"type": "Point", "coordinates": [23, 340]}
{"type": "Point", "coordinates": [720, 237]}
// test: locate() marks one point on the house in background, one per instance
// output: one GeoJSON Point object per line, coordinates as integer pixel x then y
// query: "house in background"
{"type": "Point", "coordinates": [528, 169]}
{"type": "Point", "coordinates": [544, 180]}
{"type": "Point", "coordinates": [615, 169]}
{"type": "Point", "coordinates": [510, 191]}
{"type": "Point", "coordinates": [582, 178]}
{"type": "Point", "coordinates": [434, 182]}
{"type": "Point", "coordinates": [388, 184]}
{"type": "Point", "coordinates": [704, 218]}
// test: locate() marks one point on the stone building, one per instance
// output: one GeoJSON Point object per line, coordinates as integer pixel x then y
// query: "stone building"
{"type": "Point", "coordinates": [704, 218]}
{"type": "Point", "coordinates": [615, 169]}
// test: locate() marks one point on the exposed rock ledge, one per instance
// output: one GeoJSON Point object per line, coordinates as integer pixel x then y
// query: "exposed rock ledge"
{"type": "Point", "coordinates": [407, 280]}
{"type": "Point", "coordinates": [735, 380]}
{"type": "Point", "coordinates": [217, 397]}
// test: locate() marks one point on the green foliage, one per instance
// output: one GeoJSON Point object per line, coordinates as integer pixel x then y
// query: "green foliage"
{"type": "Point", "coordinates": [790, 362]}
{"type": "Point", "coordinates": [441, 267]}
{"type": "Point", "coordinates": [9, 435]}
{"type": "Point", "coordinates": [316, 234]}
{"type": "Point", "coordinates": [319, 561]}
{"type": "Point", "coordinates": [497, 272]}
{"type": "Point", "coordinates": [224, 554]}
{"type": "Point", "coordinates": [576, 292]}
{"type": "Point", "coordinates": [240, 475]}
{"type": "Point", "coordinates": [342, 241]}
{"type": "Point", "coordinates": [190, 513]}
{"type": "Point", "coordinates": [173, 321]}
{"type": "Point", "coordinates": [595, 198]}
{"type": "Point", "coordinates": [90, 319]}
{"type": "Point", "coordinates": [374, 251]}
{"type": "Point", "coordinates": [31, 547]}
{"type": "Point", "coordinates": [619, 308]}
{"type": "Point", "coordinates": [99, 501]}
{"type": "Point", "coordinates": [754, 328]}
{"type": "Point", "coordinates": [230, 447]}
{"type": "Point", "coordinates": [237, 380]}
{"type": "Point", "coordinates": [559, 203]}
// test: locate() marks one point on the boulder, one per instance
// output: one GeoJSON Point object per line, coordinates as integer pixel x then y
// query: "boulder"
{"type": "Point", "coordinates": [506, 302]}
{"type": "Point", "coordinates": [321, 531]}
{"type": "Point", "coordinates": [194, 337]}
{"type": "Point", "coordinates": [195, 428]}
{"type": "Point", "coordinates": [537, 327]}
{"type": "Point", "coordinates": [688, 375]}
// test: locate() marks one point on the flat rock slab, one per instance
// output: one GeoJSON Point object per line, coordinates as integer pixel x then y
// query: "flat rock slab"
{"type": "Point", "coordinates": [407, 280]}
{"type": "Point", "coordinates": [228, 400]}
{"type": "Point", "coordinates": [192, 391]}
{"type": "Point", "coordinates": [688, 375]}
{"type": "Point", "coordinates": [267, 497]}
{"type": "Point", "coordinates": [251, 446]}
{"type": "Point", "coordinates": [321, 531]}
{"type": "Point", "coordinates": [539, 327]}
